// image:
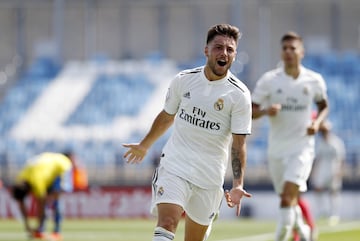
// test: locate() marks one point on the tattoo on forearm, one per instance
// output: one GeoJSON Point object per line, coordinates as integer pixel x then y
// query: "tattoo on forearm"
{"type": "Point", "coordinates": [236, 163]}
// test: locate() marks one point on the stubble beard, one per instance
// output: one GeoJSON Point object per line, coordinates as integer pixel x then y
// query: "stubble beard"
{"type": "Point", "coordinates": [219, 72]}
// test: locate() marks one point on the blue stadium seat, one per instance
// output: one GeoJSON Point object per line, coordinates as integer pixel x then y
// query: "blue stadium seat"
{"type": "Point", "coordinates": [112, 96]}
{"type": "Point", "coordinates": [43, 67]}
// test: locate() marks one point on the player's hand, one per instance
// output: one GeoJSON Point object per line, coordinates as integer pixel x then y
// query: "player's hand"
{"type": "Point", "coordinates": [28, 229]}
{"type": "Point", "coordinates": [135, 154]}
{"type": "Point", "coordinates": [312, 129]}
{"type": "Point", "coordinates": [30, 233]}
{"type": "Point", "coordinates": [234, 196]}
{"type": "Point", "coordinates": [273, 109]}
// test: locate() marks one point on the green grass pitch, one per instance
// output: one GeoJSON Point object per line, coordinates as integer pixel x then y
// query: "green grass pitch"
{"type": "Point", "coordinates": [141, 229]}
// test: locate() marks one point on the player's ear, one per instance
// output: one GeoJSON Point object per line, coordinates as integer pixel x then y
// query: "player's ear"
{"type": "Point", "coordinates": [206, 51]}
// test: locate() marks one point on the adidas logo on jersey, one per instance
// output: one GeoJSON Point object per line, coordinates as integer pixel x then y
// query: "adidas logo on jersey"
{"type": "Point", "coordinates": [187, 95]}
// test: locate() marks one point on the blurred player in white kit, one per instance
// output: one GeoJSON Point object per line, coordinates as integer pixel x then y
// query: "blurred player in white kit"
{"type": "Point", "coordinates": [287, 95]}
{"type": "Point", "coordinates": [327, 173]}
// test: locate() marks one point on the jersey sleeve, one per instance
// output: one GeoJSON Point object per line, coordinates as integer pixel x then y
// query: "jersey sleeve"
{"type": "Point", "coordinates": [173, 97]}
{"type": "Point", "coordinates": [261, 91]}
{"type": "Point", "coordinates": [241, 115]}
{"type": "Point", "coordinates": [320, 89]}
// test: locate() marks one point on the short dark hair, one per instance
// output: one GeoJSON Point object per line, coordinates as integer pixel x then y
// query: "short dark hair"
{"type": "Point", "coordinates": [20, 191]}
{"type": "Point", "coordinates": [291, 35]}
{"type": "Point", "coordinates": [67, 153]}
{"type": "Point", "coordinates": [225, 30]}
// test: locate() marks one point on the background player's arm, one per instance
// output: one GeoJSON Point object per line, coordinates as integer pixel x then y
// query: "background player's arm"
{"type": "Point", "coordinates": [258, 112]}
{"type": "Point", "coordinates": [323, 110]}
{"type": "Point", "coordinates": [23, 211]}
{"type": "Point", "coordinates": [160, 125]}
{"type": "Point", "coordinates": [39, 191]}
{"type": "Point", "coordinates": [41, 203]}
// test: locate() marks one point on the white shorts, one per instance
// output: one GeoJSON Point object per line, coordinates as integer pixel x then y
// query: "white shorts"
{"type": "Point", "coordinates": [201, 205]}
{"type": "Point", "coordinates": [294, 168]}
{"type": "Point", "coordinates": [325, 179]}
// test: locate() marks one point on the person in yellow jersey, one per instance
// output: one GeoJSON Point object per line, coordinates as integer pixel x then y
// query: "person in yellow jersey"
{"type": "Point", "coordinates": [45, 176]}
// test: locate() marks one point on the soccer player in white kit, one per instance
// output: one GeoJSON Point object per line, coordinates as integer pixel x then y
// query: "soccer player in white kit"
{"type": "Point", "coordinates": [211, 111]}
{"type": "Point", "coordinates": [286, 95]}
{"type": "Point", "coordinates": [327, 172]}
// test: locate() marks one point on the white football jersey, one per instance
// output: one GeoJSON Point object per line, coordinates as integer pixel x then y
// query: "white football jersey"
{"type": "Point", "coordinates": [330, 154]}
{"type": "Point", "coordinates": [288, 129]}
{"type": "Point", "coordinates": [207, 113]}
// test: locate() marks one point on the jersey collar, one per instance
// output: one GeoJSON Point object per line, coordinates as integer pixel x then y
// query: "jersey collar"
{"type": "Point", "coordinates": [302, 71]}
{"type": "Point", "coordinates": [216, 82]}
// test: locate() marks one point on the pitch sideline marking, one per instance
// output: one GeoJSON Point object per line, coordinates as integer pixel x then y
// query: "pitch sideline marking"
{"type": "Point", "coordinates": [326, 229]}
{"type": "Point", "coordinates": [261, 237]}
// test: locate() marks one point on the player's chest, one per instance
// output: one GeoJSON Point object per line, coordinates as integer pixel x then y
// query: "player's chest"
{"type": "Point", "coordinates": [291, 93]}
{"type": "Point", "coordinates": [327, 151]}
{"type": "Point", "coordinates": [202, 99]}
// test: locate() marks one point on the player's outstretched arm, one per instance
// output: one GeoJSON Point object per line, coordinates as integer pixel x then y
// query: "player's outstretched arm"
{"type": "Point", "coordinates": [238, 163]}
{"type": "Point", "coordinates": [137, 151]}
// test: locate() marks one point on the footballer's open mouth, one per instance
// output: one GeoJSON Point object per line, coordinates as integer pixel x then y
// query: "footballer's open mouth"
{"type": "Point", "coordinates": [221, 63]}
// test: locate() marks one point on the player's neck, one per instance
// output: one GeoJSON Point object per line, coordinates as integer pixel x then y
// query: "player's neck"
{"type": "Point", "coordinates": [293, 71]}
{"type": "Point", "coordinates": [210, 75]}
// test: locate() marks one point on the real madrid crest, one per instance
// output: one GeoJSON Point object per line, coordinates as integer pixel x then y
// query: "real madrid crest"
{"type": "Point", "coordinates": [306, 90]}
{"type": "Point", "coordinates": [160, 191]}
{"type": "Point", "coordinates": [219, 104]}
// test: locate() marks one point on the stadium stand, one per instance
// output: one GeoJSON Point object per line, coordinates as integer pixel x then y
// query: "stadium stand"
{"type": "Point", "coordinates": [89, 107]}
{"type": "Point", "coordinates": [97, 105]}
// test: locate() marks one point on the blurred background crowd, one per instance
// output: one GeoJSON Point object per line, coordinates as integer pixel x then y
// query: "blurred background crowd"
{"type": "Point", "coordinates": [88, 75]}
